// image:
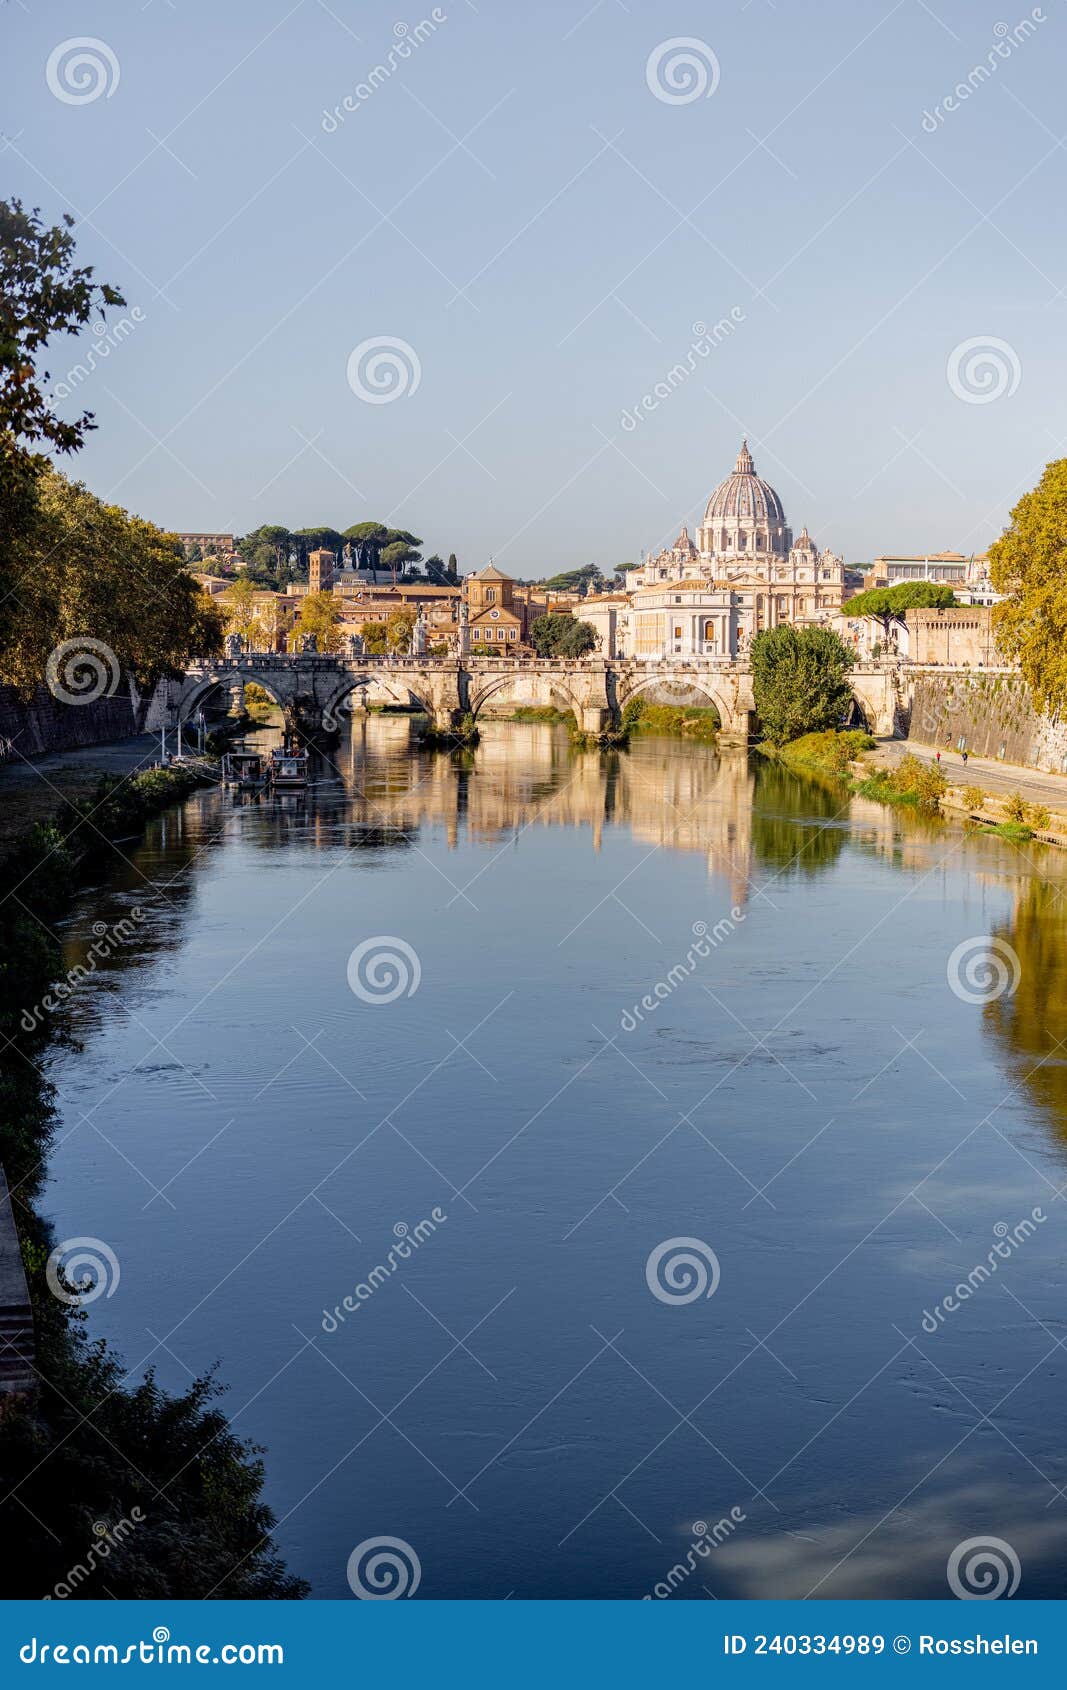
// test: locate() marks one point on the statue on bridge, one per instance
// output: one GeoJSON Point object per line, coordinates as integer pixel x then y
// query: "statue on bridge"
{"type": "Point", "coordinates": [418, 635]}
{"type": "Point", "coordinates": [357, 645]}
{"type": "Point", "coordinates": [234, 645]}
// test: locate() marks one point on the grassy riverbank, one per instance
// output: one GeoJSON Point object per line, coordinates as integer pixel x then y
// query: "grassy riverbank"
{"type": "Point", "coordinates": [90, 1452]}
{"type": "Point", "coordinates": [916, 784]}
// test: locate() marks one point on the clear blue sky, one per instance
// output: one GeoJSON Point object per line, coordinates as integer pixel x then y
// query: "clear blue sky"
{"type": "Point", "coordinates": [519, 155]}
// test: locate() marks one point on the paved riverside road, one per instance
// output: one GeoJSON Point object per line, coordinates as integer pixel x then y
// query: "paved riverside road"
{"type": "Point", "coordinates": [1002, 778]}
{"type": "Point", "coordinates": [31, 791]}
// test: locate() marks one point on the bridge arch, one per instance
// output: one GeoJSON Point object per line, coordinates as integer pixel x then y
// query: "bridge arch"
{"type": "Point", "coordinates": [546, 685]}
{"type": "Point", "coordinates": [633, 686]}
{"type": "Point", "coordinates": [393, 685]}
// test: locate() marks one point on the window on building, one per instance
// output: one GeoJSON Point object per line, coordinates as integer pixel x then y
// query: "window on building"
{"type": "Point", "coordinates": [511, 633]}
{"type": "Point", "coordinates": [677, 631]}
{"type": "Point", "coordinates": [490, 594]}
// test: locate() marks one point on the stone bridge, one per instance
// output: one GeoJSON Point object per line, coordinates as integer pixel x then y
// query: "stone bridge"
{"type": "Point", "coordinates": [311, 689]}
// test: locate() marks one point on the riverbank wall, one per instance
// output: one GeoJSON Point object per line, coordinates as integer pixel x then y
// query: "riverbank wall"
{"type": "Point", "coordinates": [41, 724]}
{"type": "Point", "coordinates": [989, 715]}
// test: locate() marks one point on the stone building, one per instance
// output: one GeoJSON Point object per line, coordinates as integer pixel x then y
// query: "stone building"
{"type": "Point", "coordinates": [691, 618]}
{"type": "Point", "coordinates": [745, 548]}
{"type": "Point", "coordinates": [960, 636]}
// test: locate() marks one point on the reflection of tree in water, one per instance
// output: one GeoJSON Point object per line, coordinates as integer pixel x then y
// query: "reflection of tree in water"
{"type": "Point", "coordinates": [1029, 1022]}
{"type": "Point", "coordinates": [798, 825]}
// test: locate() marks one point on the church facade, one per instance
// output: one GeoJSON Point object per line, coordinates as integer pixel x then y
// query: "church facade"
{"type": "Point", "coordinates": [743, 573]}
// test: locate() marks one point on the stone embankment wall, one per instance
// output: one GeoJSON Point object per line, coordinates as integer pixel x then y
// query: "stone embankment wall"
{"type": "Point", "coordinates": [33, 727]}
{"type": "Point", "coordinates": [992, 714]}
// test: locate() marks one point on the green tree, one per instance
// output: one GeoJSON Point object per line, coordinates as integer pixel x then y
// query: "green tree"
{"type": "Point", "coordinates": [42, 294]}
{"type": "Point", "coordinates": [94, 573]}
{"type": "Point", "coordinates": [798, 681]}
{"type": "Point", "coordinates": [320, 616]}
{"type": "Point", "coordinates": [239, 605]}
{"type": "Point", "coordinates": [374, 639]}
{"type": "Point", "coordinates": [1029, 564]}
{"type": "Point", "coordinates": [556, 635]}
{"type": "Point", "coordinates": [889, 605]}
{"type": "Point", "coordinates": [398, 626]}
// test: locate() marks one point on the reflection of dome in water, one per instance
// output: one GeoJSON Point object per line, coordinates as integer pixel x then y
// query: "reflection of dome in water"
{"type": "Point", "coordinates": [745, 513]}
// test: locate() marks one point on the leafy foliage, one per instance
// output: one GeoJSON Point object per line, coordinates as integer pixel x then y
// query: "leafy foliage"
{"type": "Point", "coordinates": [561, 636]}
{"type": "Point", "coordinates": [84, 568]}
{"type": "Point", "coordinates": [891, 604]}
{"type": "Point", "coordinates": [798, 681]}
{"type": "Point", "coordinates": [320, 616]}
{"type": "Point", "coordinates": [1029, 564]}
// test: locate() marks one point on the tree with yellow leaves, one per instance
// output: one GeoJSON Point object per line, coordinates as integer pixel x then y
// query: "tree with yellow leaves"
{"type": "Point", "coordinates": [1029, 564]}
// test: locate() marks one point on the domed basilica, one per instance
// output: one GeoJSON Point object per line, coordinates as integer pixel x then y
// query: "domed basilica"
{"type": "Point", "coordinates": [744, 567]}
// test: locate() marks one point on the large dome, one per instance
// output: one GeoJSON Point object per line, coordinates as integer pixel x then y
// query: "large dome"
{"type": "Point", "coordinates": [744, 494]}
{"type": "Point", "coordinates": [745, 513]}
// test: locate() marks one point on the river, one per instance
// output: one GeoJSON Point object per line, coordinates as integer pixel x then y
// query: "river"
{"type": "Point", "coordinates": [640, 998]}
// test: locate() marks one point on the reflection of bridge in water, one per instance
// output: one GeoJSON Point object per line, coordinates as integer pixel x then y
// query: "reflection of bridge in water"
{"type": "Point", "coordinates": [312, 690]}
{"type": "Point", "coordinates": [666, 793]}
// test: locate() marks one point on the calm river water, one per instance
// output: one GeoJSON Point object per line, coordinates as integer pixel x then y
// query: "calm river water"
{"type": "Point", "coordinates": [526, 1399]}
